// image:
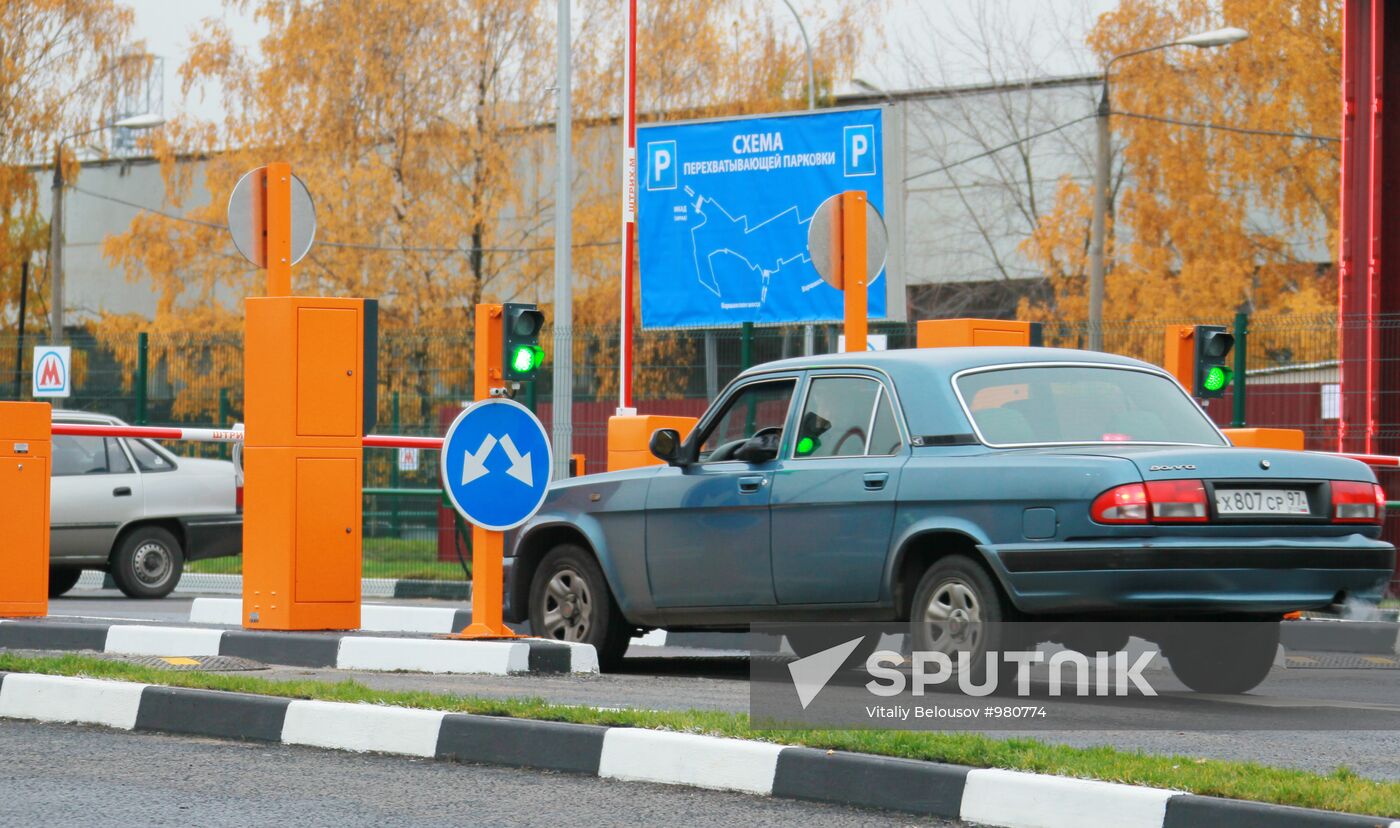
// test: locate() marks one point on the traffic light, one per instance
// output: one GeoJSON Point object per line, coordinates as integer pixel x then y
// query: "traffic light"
{"type": "Point", "coordinates": [1212, 375]}
{"type": "Point", "coordinates": [1196, 355]}
{"type": "Point", "coordinates": [521, 349]}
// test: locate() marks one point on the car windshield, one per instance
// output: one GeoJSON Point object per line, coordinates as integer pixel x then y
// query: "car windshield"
{"type": "Point", "coordinates": [1082, 404]}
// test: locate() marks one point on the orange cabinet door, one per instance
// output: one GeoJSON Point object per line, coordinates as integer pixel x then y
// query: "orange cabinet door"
{"type": "Point", "coordinates": [327, 529]}
{"type": "Point", "coordinates": [24, 556]}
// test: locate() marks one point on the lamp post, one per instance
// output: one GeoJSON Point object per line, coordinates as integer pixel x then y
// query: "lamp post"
{"type": "Point", "coordinates": [139, 122]}
{"type": "Point", "coordinates": [1103, 155]}
{"type": "Point", "coordinates": [808, 333]}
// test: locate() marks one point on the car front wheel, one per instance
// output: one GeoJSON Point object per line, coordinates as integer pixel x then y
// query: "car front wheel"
{"type": "Point", "coordinates": [147, 563]}
{"type": "Point", "coordinates": [570, 601]}
{"type": "Point", "coordinates": [62, 579]}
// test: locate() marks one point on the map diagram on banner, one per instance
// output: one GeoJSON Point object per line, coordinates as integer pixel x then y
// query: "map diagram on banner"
{"type": "Point", "coordinates": [723, 212]}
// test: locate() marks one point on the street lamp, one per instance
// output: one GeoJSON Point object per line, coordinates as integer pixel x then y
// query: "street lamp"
{"type": "Point", "coordinates": [1103, 153]}
{"type": "Point", "coordinates": [136, 122]}
{"type": "Point", "coordinates": [809, 339]}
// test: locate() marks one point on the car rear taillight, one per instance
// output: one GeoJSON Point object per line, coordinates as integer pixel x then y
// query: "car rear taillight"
{"type": "Point", "coordinates": [1178, 501]}
{"type": "Point", "coordinates": [1160, 501]}
{"type": "Point", "coordinates": [238, 497]}
{"type": "Point", "coordinates": [1356, 502]}
{"type": "Point", "coordinates": [1124, 504]}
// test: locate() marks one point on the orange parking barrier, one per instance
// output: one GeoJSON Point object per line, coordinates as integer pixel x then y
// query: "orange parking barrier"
{"type": "Point", "coordinates": [959, 333]}
{"type": "Point", "coordinates": [307, 368]}
{"type": "Point", "coordinates": [629, 438]}
{"type": "Point", "coordinates": [25, 455]}
{"type": "Point", "coordinates": [1290, 439]}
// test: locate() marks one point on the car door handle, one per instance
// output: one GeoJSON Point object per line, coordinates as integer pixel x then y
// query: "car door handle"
{"type": "Point", "coordinates": [749, 485]}
{"type": "Point", "coordinates": [875, 481]}
{"type": "Point", "coordinates": [121, 491]}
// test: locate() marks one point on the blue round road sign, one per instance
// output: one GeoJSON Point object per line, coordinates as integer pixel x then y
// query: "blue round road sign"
{"type": "Point", "coordinates": [496, 464]}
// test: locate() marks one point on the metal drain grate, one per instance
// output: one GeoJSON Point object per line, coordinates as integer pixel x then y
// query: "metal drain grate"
{"type": "Point", "coordinates": [214, 664]}
{"type": "Point", "coordinates": [1341, 661]}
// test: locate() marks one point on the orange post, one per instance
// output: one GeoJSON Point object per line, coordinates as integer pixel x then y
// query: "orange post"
{"type": "Point", "coordinates": [1179, 354]}
{"type": "Point", "coordinates": [1289, 439]}
{"type": "Point", "coordinates": [850, 238]}
{"type": "Point", "coordinates": [24, 508]}
{"type": "Point", "coordinates": [277, 227]}
{"type": "Point", "coordinates": [488, 547]}
{"type": "Point", "coordinates": [629, 438]}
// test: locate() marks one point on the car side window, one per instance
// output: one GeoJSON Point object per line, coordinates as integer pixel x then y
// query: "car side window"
{"type": "Point", "coordinates": [757, 407]}
{"type": "Point", "coordinates": [147, 458]}
{"type": "Point", "coordinates": [74, 456]}
{"type": "Point", "coordinates": [884, 434]}
{"type": "Point", "coordinates": [836, 418]}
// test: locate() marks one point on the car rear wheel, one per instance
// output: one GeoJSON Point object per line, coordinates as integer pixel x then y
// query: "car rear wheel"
{"type": "Point", "coordinates": [957, 609]}
{"type": "Point", "coordinates": [62, 579]}
{"type": "Point", "coordinates": [570, 601]}
{"type": "Point", "coordinates": [147, 563]}
{"type": "Point", "coordinates": [1223, 657]}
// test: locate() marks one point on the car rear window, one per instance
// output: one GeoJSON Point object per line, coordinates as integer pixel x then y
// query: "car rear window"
{"type": "Point", "coordinates": [1082, 404]}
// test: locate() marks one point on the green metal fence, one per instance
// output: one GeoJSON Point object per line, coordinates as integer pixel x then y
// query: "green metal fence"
{"type": "Point", "coordinates": [424, 376]}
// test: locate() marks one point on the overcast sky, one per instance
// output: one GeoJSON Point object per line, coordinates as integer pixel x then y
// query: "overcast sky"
{"type": "Point", "coordinates": [926, 43]}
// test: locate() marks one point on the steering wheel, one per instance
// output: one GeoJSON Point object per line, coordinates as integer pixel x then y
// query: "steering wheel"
{"type": "Point", "coordinates": [727, 450]}
{"type": "Point", "coordinates": [853, 431]}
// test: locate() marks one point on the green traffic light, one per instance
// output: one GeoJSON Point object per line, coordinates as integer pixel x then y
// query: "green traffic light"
{"type": "Point", "coordinates": [524, 359]}
{"type": "Point", "coordinates": [806, 445]}
{"type": "Point", "coordinates": [1217, 378]}
{"type": "Point", "coordinates": [536, 357]}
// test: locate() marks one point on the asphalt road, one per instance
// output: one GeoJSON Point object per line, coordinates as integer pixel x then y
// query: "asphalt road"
{"type": "Point", "coordinates": [80, 776]}
{"type": "Point", "coordinates": [670, 678]}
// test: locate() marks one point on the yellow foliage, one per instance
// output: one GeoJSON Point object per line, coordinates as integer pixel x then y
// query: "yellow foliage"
{"type": "Point", "coordinates": [61, 62]}
{"type": "Point", "coordinates": [424, 133]}
{"type": "Point", "coordinates": [1207, 222]}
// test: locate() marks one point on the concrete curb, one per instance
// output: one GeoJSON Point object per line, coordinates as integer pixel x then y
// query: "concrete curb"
{"type": "Point", "coordinates": [309, 649]}
{"type": "Point", "coordinates": [987, 796]}
{"type": "Point", "coordinates": [1336, 636]}
{"type": "Point", "coordinates": [212, 584]}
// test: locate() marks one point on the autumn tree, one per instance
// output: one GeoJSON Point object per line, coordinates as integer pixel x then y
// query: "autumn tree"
{"type": "Point", "coordinates": [424, 132]}
{"type": "Point", "coordinates": [1210, 220]}
{"type": "Point", "coordinates": [61, 64]}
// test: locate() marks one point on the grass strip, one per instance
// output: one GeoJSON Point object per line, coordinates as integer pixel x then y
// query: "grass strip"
{"type": "Point", "coordinates": [1341, 790]}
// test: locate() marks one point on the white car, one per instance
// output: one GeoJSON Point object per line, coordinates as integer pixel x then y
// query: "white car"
{"type": "Point", "coordinates": [131, 508]}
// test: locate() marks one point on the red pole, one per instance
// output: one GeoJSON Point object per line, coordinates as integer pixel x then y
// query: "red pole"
{"type": "Point", "coordinates": [629, 212]}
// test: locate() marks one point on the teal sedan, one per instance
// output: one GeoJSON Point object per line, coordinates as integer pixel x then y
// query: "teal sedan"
{"type": "Point", "coordinates": [983, 484]}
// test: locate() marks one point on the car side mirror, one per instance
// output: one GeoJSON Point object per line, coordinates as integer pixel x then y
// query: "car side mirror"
{"type": "Point", "coordinates": [666, 445]}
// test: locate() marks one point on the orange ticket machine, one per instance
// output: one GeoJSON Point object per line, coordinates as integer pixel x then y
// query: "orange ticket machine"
{"type": "Point", "coordinates": [25, 454]}
{"type": "Point", "coordinates": [309, 398]}
{"type": "Point", "coordinates": [629, 438]}
{"type": "Point", "coordinates": [958, 333]}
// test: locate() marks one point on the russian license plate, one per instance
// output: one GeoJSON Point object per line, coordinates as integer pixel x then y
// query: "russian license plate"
{"type": "Point", "coordinates": [1261, 502]}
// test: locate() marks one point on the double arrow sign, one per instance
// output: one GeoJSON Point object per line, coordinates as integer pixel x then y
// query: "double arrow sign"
{"type": "Point", "coordinates": [474, 463]}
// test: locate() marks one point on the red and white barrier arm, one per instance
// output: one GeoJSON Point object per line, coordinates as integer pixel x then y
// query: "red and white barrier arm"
{"type": "Point", "coordinates": [195, 435]}
{"type": "Point", "coordinates": [398, 441]}
{"type": "Point", "coordinates": [1374, 459]}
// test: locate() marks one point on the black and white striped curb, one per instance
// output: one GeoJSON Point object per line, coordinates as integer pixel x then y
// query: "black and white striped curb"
{"type": "Point", "coordinates": [987, 797]}
{"type": "Point", "coordinates": [295, 649]}
{"type": "Point", "coordinates": [400, 618]}
{"type": "Point", "coordinates": [209, 583]}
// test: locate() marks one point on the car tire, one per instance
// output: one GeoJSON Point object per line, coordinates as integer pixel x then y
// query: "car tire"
{"type": "Point", "coordinates": [148, 562]}
{"type": "Point", "coordinates": [1223, 657]}
{"type": "Point", "coordinates": [970, 612]}
{"type": "Point", "coordinates": [570, 601]}
{"type": "Point", "coordinates": [62, 579]}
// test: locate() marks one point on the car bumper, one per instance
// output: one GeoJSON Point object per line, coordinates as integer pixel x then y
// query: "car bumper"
{"type": "Point", "coordinates": [1248, 576]}
{"type": "Point", "coordinates": [212, 536]}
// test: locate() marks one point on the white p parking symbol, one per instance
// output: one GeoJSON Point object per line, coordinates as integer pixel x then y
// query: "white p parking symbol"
{"type": "Point", "coordinates": [661, 165]}
{"type": "Point", "coordinates": [859, 150]}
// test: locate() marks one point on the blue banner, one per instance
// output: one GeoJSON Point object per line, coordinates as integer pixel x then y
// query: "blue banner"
{"type": "Point", "coordinates": [723, 209]}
